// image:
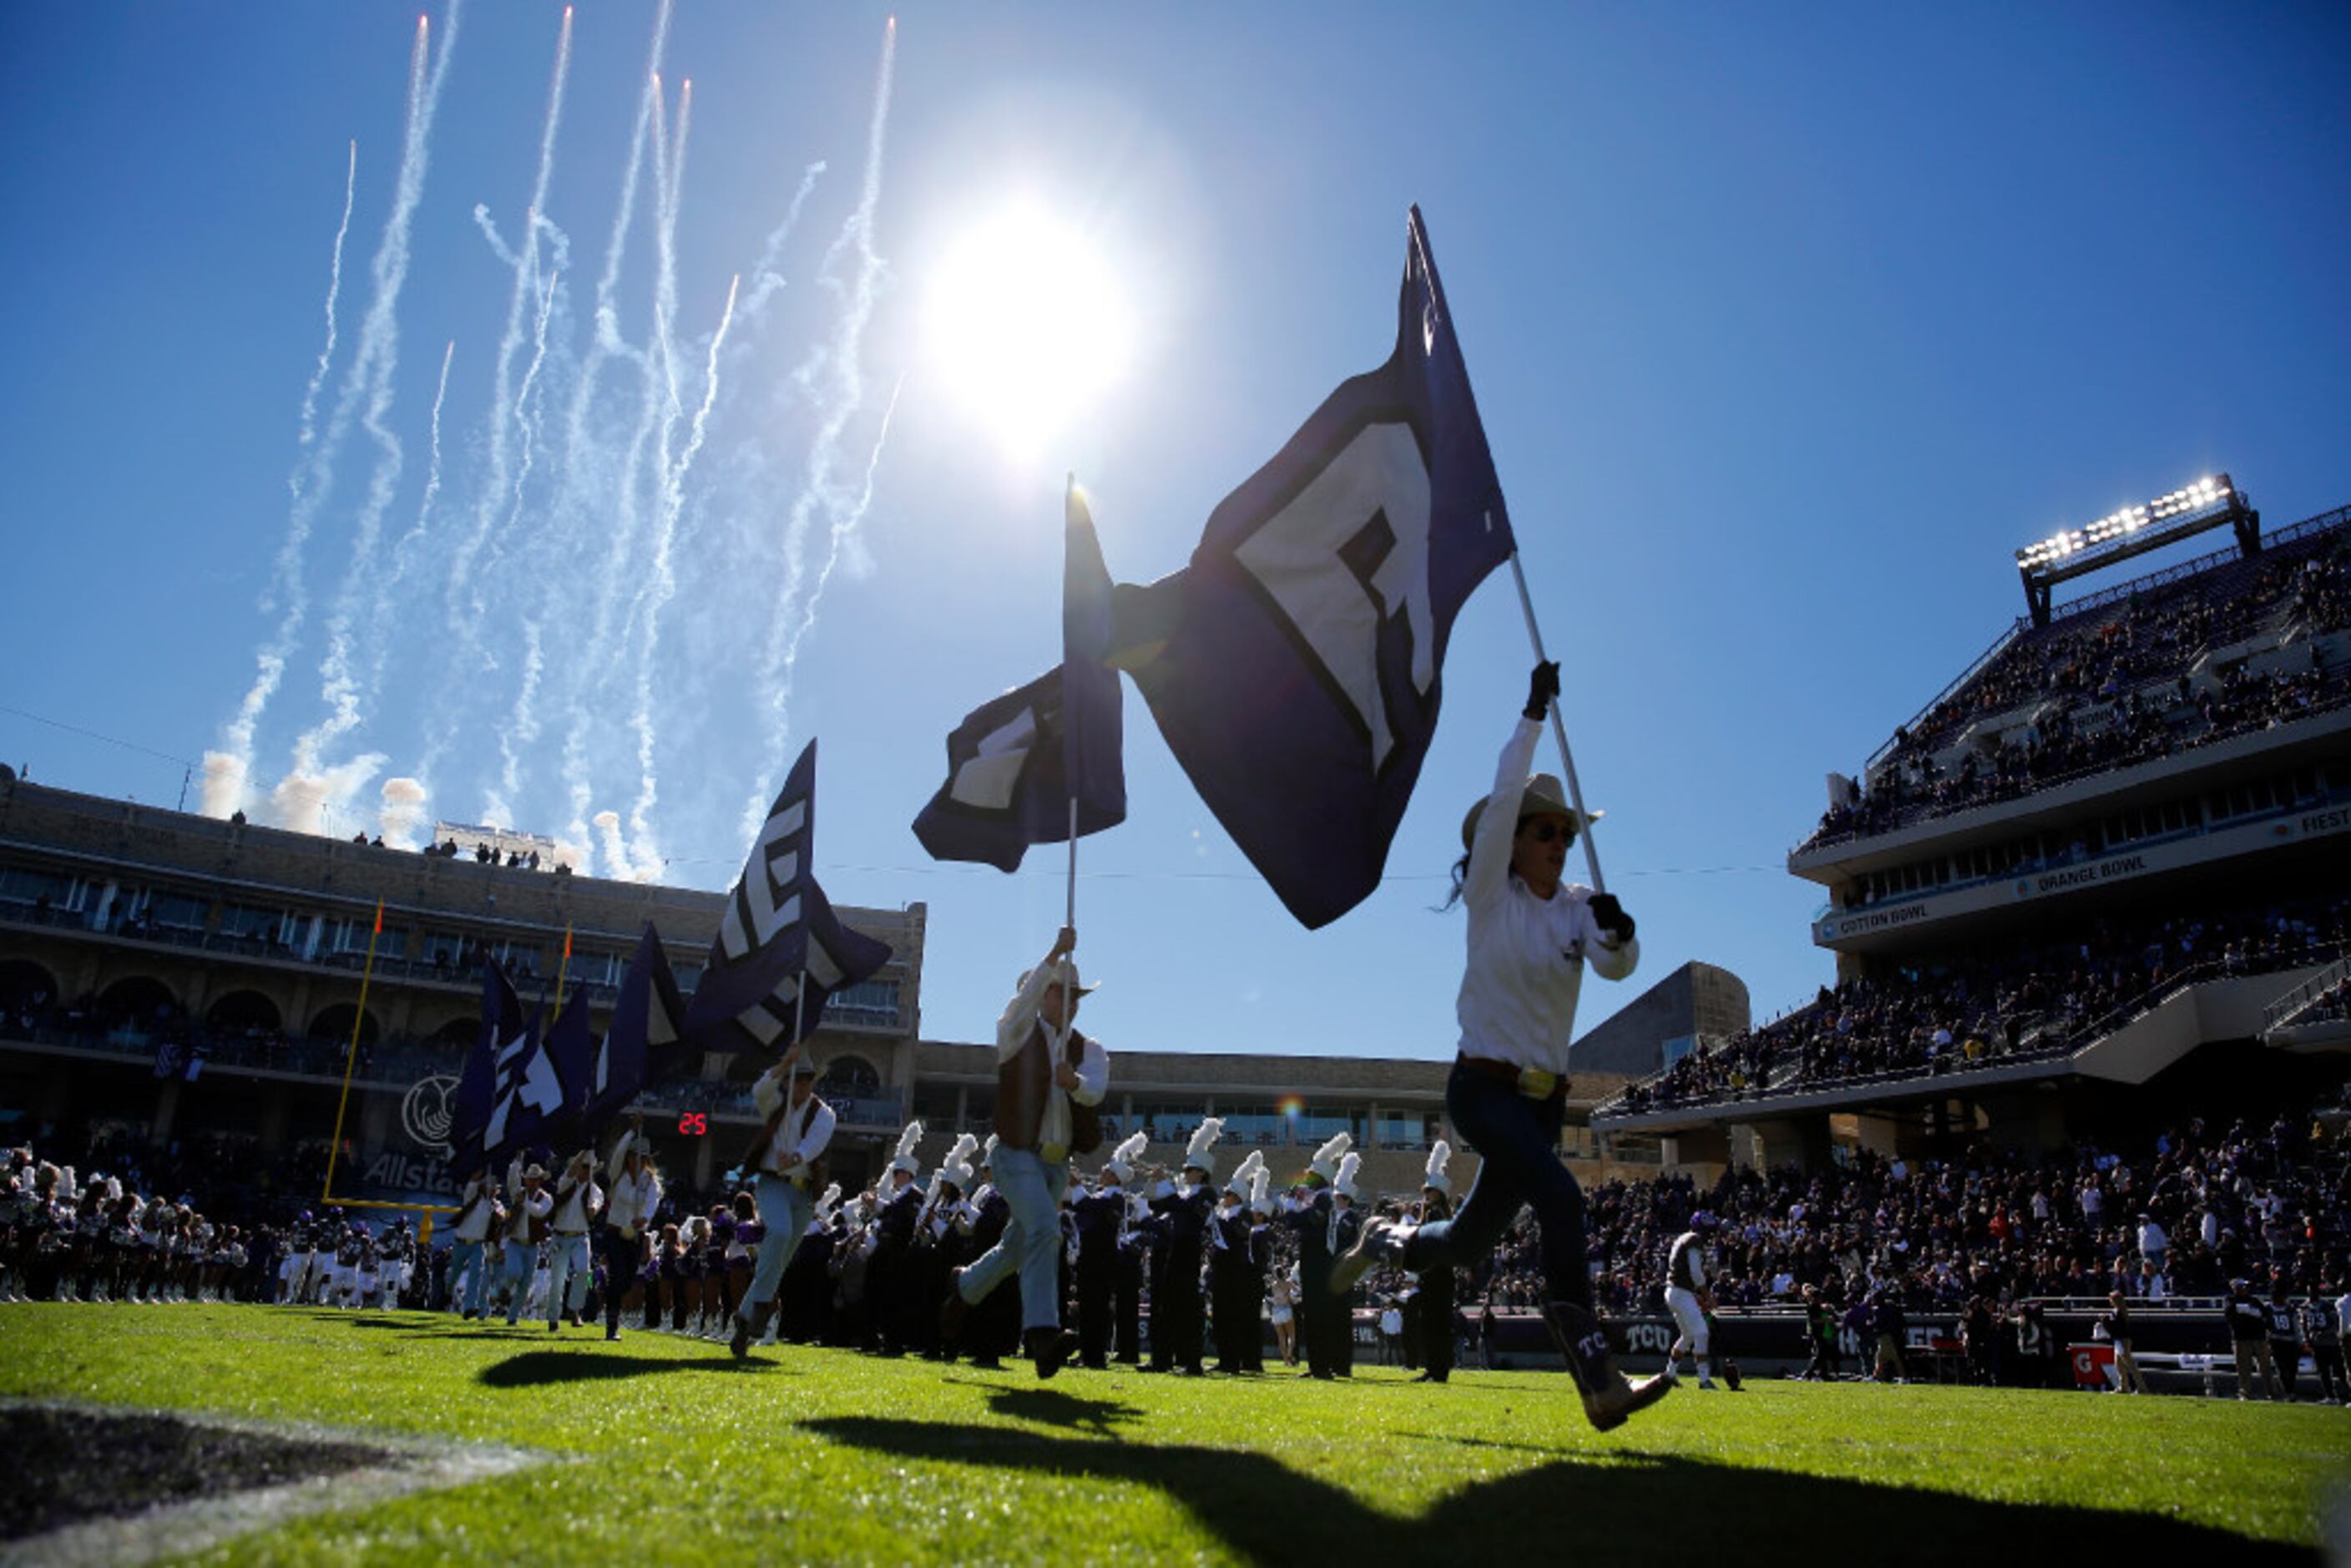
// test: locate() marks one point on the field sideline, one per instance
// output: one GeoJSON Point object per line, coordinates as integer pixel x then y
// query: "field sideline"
{"type": "Point", "coordinates": [664, 1449]}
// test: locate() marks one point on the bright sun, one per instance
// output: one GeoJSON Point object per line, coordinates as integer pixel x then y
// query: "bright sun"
{"type": "Point", "coordinates": [1028, 326]}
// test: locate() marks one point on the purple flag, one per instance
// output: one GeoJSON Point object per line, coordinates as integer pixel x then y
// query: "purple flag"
{"type": "Point", "coordinates": [1296, 674]}
{"type": "Point", "coordinates": [781, 952]}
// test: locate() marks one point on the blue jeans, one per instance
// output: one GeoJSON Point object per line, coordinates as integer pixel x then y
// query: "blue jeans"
{"type": "Point", "coordinates": [784, 1214]}
{"type": "Point", "coordinates": [1518, 1141]}
{"type": "Point", "coordinates": [567, 1263]}
{"type": "Point", "coordinates": [471, 1260]}
{"type": "Point", "coordinates": [1032, 1187]}
{"type": "Point", "coordinates": [522, 1257]}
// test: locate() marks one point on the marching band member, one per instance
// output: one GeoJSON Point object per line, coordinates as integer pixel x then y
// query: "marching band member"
{"type": "Point", "coordinates": [1101, 1214]}
{"type": "Point", "coordinates": [1181, 1214]}
{"type": "Point", "coordinates": [786, 1175]}
{"type": "Point", "coordinates": [1049, 1080]}
{"type": "Point", "coordinates": [1435, 1304]}
{"type": "Point", "coordinates": [1235, 1286]}
{"type": "Point", "coordinates": [636, 1197]}
{"type": "Point", "coordinates": [1531, 934]}
{"type": "Point", "coordinates": [1338, 1304]}
{"type": "Point", "coordinates": [993, 1330]}
{"type": "Point", "coordinates": [1307, 1212]}
{"type": "Point", "coordinates": [890, 1264]}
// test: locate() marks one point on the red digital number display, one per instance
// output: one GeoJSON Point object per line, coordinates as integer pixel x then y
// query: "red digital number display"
{"type": "Point", "coordinates": [693, 1124]}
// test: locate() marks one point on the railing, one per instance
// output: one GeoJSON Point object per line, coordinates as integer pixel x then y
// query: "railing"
{"type": "Point", "coordinates": [1975, 665]}
{"type": "Point", "coordinates": [2282, 1011]}
{"type": "Point", "coordinates": [444, 971]}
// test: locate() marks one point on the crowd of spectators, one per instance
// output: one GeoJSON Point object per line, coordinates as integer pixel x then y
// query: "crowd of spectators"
{"type": "Point", "coordinates": [2116, 689]}
{"type": "Point", "coordinates": [2267, 1201]}
{"type": "Point", "coordinates": [1993, 1005]}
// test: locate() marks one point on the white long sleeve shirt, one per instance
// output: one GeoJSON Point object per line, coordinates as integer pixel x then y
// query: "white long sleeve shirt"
{"type": "Point", "coordinates": [635, 1197]}
{"type": "Point", "coordinates": [1012, 1031]}
{"type": "Point", "coordinates": [523, 1206]}
{"type": "Point", "coordinates": [573, 1208]}
{"type": "Point", "coordinates": [805, 1132]}
{"type": "Point", "coordinates": [475, 1225]}
{"type": "Point", "coordinates": [1526, 954]}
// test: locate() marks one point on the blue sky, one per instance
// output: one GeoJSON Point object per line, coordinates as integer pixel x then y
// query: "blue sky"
{"type": "Point", "coordinates": [1788, 324]}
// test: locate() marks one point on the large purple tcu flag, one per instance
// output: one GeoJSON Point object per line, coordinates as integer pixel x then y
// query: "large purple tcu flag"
{"type": "Point", "coordinates": [641, 1047]}
{"type": "Point", "coordinates": [781, 954]}
{"type": "Point", "coordinates": [511, 1090]}
{"type": "Point", "coordinates": [1293, 667]}
{"type": "Point", "coordinates": [1017, 762]}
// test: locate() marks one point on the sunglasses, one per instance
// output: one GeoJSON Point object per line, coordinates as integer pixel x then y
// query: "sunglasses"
{"type": "Point", "coordinates": [1548, 831]}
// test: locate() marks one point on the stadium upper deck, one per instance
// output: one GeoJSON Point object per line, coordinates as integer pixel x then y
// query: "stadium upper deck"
{"type": "Point", "coordinates": [2121, 834]}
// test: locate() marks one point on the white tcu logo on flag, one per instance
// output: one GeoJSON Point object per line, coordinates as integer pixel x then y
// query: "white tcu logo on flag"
{"type": "Point", "coordinates": [988, 780]}
{"type": "Point", "coordinates": [1349, 551]}
{"type": "Point", "coordinates": [774, 866]}
{"type": "Point", "coordinates": [539, 1088]}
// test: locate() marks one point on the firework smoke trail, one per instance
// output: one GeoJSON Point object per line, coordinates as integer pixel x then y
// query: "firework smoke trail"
{"type": "Point", "coordinates": [767, 282]}
{"type": "Point", "coordinates": [227, 770]}
{"type": "Point", "coordinates": [338, 686]}
{"type": "Point", "coordinates": [581, 473]}
{"type": "Point", "coordinates": [334, 292]}
{"type": "Point", "coordinates": [841, 402]}
{"type": "Point", "coordinates": [516, 736]}
{"type": "Point", "coordinates": [665, 585]}
{"type": "Point", "coordinates": [412, 543]}
{"type": "Point", "coordinates": [464, 600]}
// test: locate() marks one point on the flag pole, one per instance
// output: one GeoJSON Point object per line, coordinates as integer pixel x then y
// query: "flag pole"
{"type": "Point", "coordinates": [351, 1062]}
{"type": "Point", "coordinates": [564, 968]}
{"type": "Point", "coordinates": [1558, 731]}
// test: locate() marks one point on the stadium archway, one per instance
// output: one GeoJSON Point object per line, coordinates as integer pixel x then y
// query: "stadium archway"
{"type": "Point", "coordinates": [23, 983]}
{"type": "Point", "coordinates": [850, 1075]}
{"type": "Point", "coordinates": [335, 1024]}
{"type": "Point", "coordinates": [139, 1000]}
{"type": "Point", "coordinates": [457, 1031]}
{"type": "Point", "coordinates": [240, 1011]}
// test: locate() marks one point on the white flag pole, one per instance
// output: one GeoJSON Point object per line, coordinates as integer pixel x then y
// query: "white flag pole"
{"type": "Point", "coordinates": [1558, 732]}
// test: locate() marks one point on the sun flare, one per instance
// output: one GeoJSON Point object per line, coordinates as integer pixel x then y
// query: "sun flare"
{"type": "Point", "coordinates": [1029, 325]}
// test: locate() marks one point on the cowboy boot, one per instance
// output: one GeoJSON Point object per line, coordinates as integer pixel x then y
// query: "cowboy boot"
{"type": "Point", "coordinates": [1608, 1397]}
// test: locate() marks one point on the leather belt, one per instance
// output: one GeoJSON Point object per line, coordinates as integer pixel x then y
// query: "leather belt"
{"type": "Point", "coordinates": [1534, 1082]}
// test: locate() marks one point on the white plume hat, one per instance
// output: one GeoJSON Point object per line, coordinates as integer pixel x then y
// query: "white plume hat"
{"type": "Point", "coordinates": [957, 1166]}
{"type": "Point", "coordinates": [1437, 1157]}
{"type": "Point", "coordinates": [1196, 1153]}
{"type": "Point", "coordinates": [988, 1152]}
{"type": "Point", "coordinates": [1244, 1173]}
{"type": "Point", "coordinates": [905, 1159]}
{"type": "Point", "coordinates": [1348, 1166]}
{"type": "Point", "coordinates": [1120, 1166]}
{"type": "Point", "coordinates": [830, 1201]}
{"type": "Point", "coordinates": [1261, 1191]}
{"type": "Point", "coordinates": [1325, 1162]}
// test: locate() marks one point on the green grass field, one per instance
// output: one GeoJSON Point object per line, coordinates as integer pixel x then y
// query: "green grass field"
{"type": "Point", "coordinates": [662, 1448]}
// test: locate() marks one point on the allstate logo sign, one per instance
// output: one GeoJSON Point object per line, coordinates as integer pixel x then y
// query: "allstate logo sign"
{"type": "Point", "coordinates": [427, 1115]}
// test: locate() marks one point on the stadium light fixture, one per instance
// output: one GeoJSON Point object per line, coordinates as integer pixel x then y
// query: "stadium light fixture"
{"type": "Point", "coordinates": [2133, 530]}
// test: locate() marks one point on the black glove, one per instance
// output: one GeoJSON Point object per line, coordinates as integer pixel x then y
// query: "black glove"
{"type": "Point", "coordinates": [1610, 916]}
{"type": "Point", "coordinates": [1541, 687]}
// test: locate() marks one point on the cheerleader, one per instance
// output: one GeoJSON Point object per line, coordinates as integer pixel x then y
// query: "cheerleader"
{"type": "Point", "coordinates": [1531, 934]}
{"type": "Point", "coordinates": [1283, 1314]}
{"type": "Point", "coordinates": [740, 1256]}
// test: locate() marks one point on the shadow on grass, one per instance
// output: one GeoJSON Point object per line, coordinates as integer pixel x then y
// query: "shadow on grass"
{"type": "Point", "coordinates": [539, 1368]}
{"type": "Point", "coordinates": [1618, 1508]}
{"type": "Point", "coordinates": [1052, 1407]}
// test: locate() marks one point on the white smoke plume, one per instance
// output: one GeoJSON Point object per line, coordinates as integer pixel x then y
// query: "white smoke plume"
{"type": "Point", "coordinates": [378, 346]}
{"type": "Point", "coordinates": [465, 600]}
{"type": "Point", "coordinates": [334, 292]}
{"type": "Point", "coordinates": [835, 380]}
{"type": "Point", "coordinates": [403, 812]}
{"type": "Point", "coordinates": [405, 554]}
{"type": "Point", "coordinates": [226, 790]}
{"type": "Point", "coordinates": [616, 848]}
{"type": "Point", "coordinates": [322, 803]}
